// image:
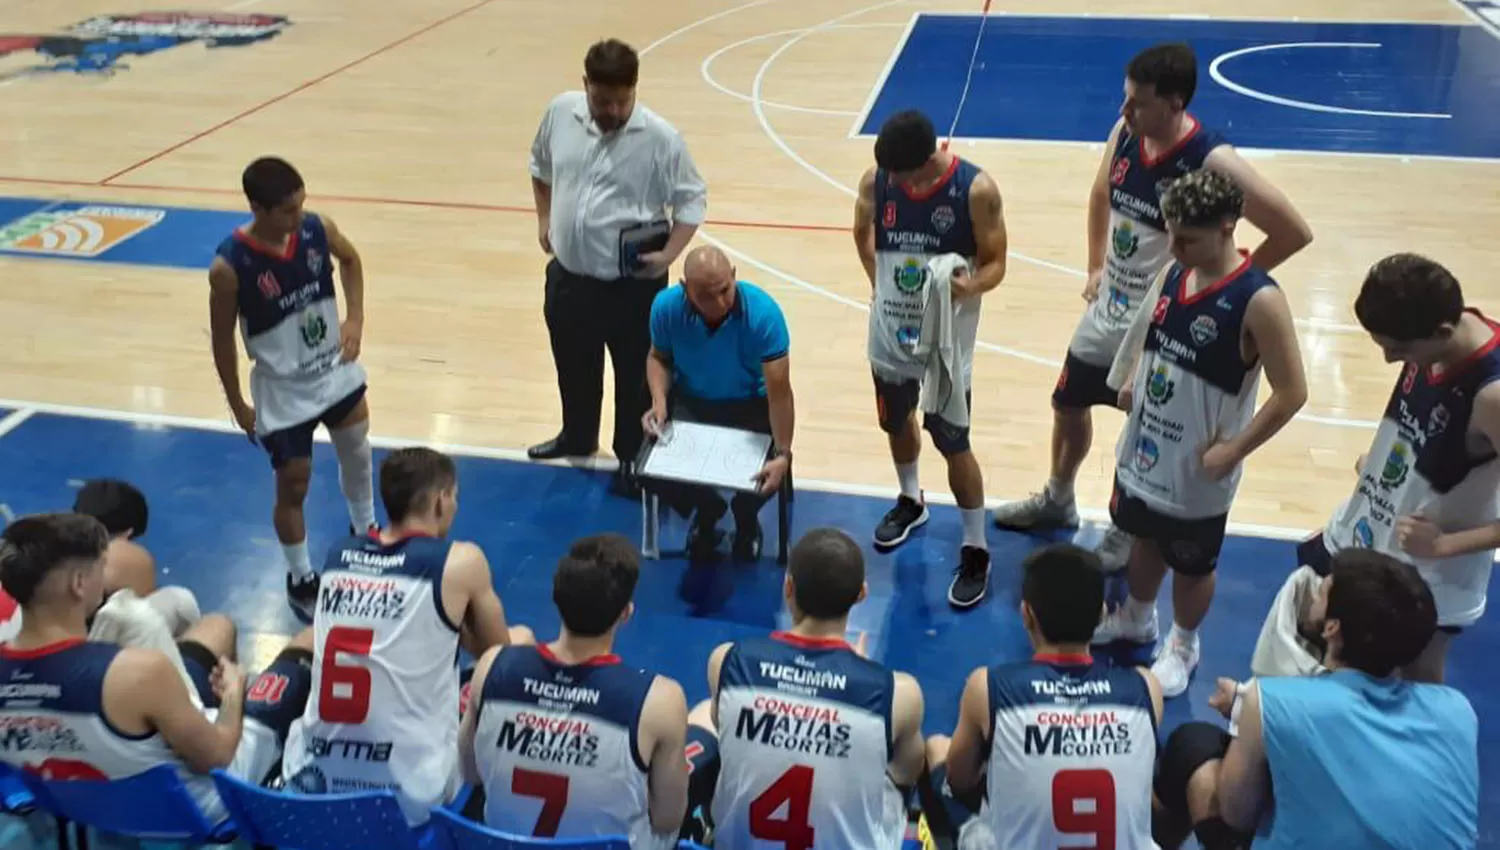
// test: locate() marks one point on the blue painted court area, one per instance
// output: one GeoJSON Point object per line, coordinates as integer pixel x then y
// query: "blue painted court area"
{"type": "Point", "coordinates": [211, 493]}
{"type": "Point", "coordinates": [1411, 89]}
{"type": "Point", "coordinates": [106, 232]}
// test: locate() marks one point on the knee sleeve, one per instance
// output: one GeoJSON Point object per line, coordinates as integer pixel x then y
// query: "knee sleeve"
{"type": "Point", "coordinates": [1215, 834]}
{"type": "Point", "coordinates": [351, 443]}
{"type": "Point", "coordinates": [1190, 747]}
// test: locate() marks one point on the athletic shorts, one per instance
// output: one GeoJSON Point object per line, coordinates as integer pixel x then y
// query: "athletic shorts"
{"type": "Point", "coordinates": [896, 400]}
{"type": "Point", "coordinates": [199, 661]}
{"type": "Point", "coordinates": [296, 442]}
{"type": "Point", "coordinates": [702, 754]}
{"type": "Point", "coordinates": [1083, 385]}
{"type": "Point", "coordinates": [948, 813]}
{"type": "Point", "coordinates": [1189, 546]}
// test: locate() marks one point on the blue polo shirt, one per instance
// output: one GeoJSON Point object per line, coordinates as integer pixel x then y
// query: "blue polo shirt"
{"type": "Point", "coordinates": [723, 363]}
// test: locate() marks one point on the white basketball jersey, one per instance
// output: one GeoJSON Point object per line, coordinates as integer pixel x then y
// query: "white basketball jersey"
{"type": "Point", "coordinates": [1426, 460]}
{"type": "Point", "coordinates": [1138, 244]}
{"type": "Point", "coordinates": [289, 320]}
{"type": "Point", "coordinates": [52, 721]}
{"type": "Point", "coordinates": [1072, 756]}
{"type": "Point", "coordinates": [10, 617]}
{"type": "Point", "coordinates": [1193, 388]}
{"type": "Point", "coordinates": [910, 230]}
{"type": "Point", "coordinates": [804, 746]}
{"type": "Point", "coordinates": [556, 748]}
{"type": "Point", "coordinates": [384, 707]}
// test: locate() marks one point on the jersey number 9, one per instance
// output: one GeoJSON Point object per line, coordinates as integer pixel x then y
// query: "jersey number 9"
{"type": "Point", "coordinates": [1083, 803]}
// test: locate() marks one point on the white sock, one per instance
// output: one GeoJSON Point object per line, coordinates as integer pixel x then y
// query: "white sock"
{"type": "Point", "coordinates": [1059, 490]}
{"type": "Point", "coordinates": [1186, 637]}
{"type": "Point", "coordinates": [1138, 611]}
{"type": "Point", "coordinates": [911, 482]}
{"type": "Point", "coordinates": [296, 559]}
{"type": "Point", "coordinates": [973, 519]}
{"type": "Point", "coordinates": [356, 470]}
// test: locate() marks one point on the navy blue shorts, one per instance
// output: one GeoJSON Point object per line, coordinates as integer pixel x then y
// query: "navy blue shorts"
{"type": "Point", "coordinates": [279, 695]}
{"type": "Point", "coordinates": [1189, 546]}
{"type": "Point", "coordinates": [297, 441]}
{"type": "Point", "coordinates": [1083, 385]}
{"type": "Point", "coordinates": [895, 402]}
{"type": "Point", "coordinates": [199, 661]}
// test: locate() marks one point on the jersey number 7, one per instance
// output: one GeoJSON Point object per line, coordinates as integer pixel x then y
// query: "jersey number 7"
{"type": "Point", "coordinates": [551, 789]}
{"type": "Point", "coordinates": [344, 689]}
{"type": "Point", "coordinates": [794, 830]}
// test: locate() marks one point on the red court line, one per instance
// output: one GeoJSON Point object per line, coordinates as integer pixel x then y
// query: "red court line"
{"type": "Point", "coordinates": [303, 87]}
{"type": "Point", "coordinates": [411, 202]}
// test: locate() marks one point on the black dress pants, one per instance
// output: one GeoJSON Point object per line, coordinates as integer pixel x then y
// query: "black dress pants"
{"type": "Point", "coordinates": [586, 315]}
{"type": "Point", "coordinates": [752, 414]}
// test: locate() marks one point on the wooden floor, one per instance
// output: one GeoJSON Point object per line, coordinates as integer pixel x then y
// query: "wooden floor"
{"type": "Point", "coordinates": [412, 121]}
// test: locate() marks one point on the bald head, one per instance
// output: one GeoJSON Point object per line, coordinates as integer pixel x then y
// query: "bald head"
{"type": "Point", "coordinates": [709, 279]}
{"type": "Point", "coordinates": [706, 261]}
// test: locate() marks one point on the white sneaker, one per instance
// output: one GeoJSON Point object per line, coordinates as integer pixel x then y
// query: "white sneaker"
{"type": "Point", "coordinates": [1114, 549]}
{"type": "Point", "coordinates": [1175, 665]}
{"type": "Point", "coordinates": [1119, 625]}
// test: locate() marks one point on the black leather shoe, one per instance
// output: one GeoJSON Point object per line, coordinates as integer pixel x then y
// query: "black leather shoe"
{"type": "Point", "coordinates": [555, 448]}
{"type": "Point", "coordinates": [624, 483]}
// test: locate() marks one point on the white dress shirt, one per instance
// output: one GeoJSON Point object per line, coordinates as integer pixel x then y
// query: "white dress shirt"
{"type": "Point", "coordinates": [603, 183]}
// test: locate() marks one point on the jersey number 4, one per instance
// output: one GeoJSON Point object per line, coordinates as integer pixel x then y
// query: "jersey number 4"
{"type": "Point", "coordinates": [1083, 803]}
{"type": "Point", "coordinates": [793, 829]}
{"type": "Point", "coordinates": [344, 689]}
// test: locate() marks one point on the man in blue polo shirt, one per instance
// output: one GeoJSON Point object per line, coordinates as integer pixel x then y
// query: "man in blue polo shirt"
{"type": "Point", "coordinates": [719, 351]}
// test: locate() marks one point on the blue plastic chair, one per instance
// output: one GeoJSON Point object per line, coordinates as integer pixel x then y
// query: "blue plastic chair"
{"type": "Point", "coordinates": [14, 798]}
{"type": "Point", "coordinates": [689, 845]}
{"type": "Point", "coordinates": [152, 806]}
{"type": "Point", "coordinates": [318, 822]}
{"type": "Point", "coordinates": [457, 832]}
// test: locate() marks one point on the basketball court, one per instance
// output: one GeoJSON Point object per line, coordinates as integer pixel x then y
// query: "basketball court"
{"type": "Point", "coordinates": [125, 129]}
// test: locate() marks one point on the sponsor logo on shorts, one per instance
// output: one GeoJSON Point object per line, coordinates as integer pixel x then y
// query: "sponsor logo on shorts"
{"type": "Point", "coordinates": [86, 231]}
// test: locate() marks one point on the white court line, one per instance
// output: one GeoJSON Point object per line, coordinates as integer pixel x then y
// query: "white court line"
{"type": "Point", "coordinates": [880, 81]}
{"type": "Point", "coordinates": [1215, 71]}
{"type": "Point", "coordinates": [13, 420]}
{"type": "Point", "coordinates": [163, 421]}
{"type": "Point", "coordinates": [706, 70]}
{"type": "Point", "coordinates": [1489, 19]}
{"type": "Point", "coordinates": [1147, 16]}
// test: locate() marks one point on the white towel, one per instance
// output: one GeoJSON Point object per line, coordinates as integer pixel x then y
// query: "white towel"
{"type": "Point", "coordinates": [128, 620]}
{"type": "Point", "coordinates": [1281, 650]}
{"type": "Point", "coordinates": [943, 387]}
{"type": "Point", "coordinates": [1122, 370]}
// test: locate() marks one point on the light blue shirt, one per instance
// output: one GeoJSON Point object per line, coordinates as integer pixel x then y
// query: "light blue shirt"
{"type": "Point", "coordinates": [1375, 764]}
{"type": "Point", "coordinates": [723, 363]}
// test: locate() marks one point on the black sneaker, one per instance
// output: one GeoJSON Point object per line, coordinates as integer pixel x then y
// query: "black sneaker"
{"type": "Point", "coordinates": [899, 522]}
{"type": "Point", "coordinates": [747, 540]}
{"type": "Point", "coordinates": [303, 596]}
{"type": "Point", "coordinates": [369, 532]}
{"type": "Point", "coordinates": [971, 579]}
{"type": "Point", "coordinates": [703, 540]}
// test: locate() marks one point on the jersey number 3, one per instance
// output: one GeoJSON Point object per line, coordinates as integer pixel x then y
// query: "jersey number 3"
{"type": "Point", "coordinates": [793, 829]}
{"type": "Point", "coordinates": [344, 689]}
{"type": "Point", "coordinates": [1083, 803]}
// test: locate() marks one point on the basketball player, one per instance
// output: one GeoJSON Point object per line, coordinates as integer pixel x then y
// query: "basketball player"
{"type": "Point", "coordinates": [122, 507]}
{"type": "Point", "coordinates": [917, 205]}
{"type": "Point", "coordinates": [1066, 743]}
{"type": "Point", "coordinates": [275, 277]}
{"type": "Point", "coordinates": [77, 709]}
{"type": "Point", "coordinates": [1155, 140]}
{"type": "Point", "coordinates": [1193, 419]}
{"type": "Point", "coordinates": [817, 744]}
{"type": "Point", "coordinates": [567, 740]}
{"type": "Point", "coordinates": [1355, 758]}
{"type": "Point", "coordinates": [1429, 487]}
{"type": "Point", "coordinates": [393, 609]}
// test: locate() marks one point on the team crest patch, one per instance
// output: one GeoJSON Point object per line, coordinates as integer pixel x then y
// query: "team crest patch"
{"type": "Point", "coordinates": [1363, 537]}
{"type": "Point", "coordinates": [100, 45]}
{"type": "Point", "coordinates": [888, 217]}
{"type": "Point", "coordinates": [943, 219]}
{"type": "Point", "coordinates": [1160, 387]}
{"type": "Point", "coordinates": [77, 230]}
{"type": "Point", "coordinates": [1397, 466]}
{"type": "Point", "coordinates": [314, 329]}
{"type": "Point", "coordinates": [1125, 240]}
{"type": "Point", "coordinates": [911, 275]}
{"type": "Point", "coordinates": [1203, 330]}
{"type": "Point", "coordinates": [1117, 304]}
{"type": "Point", "coordinates": [1147, 453]}
{"type": "Point", "coordinates": [314, 262]}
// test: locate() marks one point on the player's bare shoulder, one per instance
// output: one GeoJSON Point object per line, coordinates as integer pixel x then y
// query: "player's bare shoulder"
{"type": "Point", "coordinates": [222, 277]}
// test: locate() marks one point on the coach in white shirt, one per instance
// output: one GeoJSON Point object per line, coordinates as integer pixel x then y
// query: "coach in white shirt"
{"type": "Point", "coordinates": [604, 169]}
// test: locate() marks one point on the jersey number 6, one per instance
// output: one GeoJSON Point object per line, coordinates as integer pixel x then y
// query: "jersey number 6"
{"type": "Point", "coordinates": [344, 690]}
